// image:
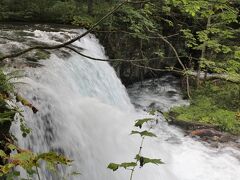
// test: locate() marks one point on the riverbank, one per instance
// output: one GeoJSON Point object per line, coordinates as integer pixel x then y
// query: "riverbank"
{"type": "Point", "coordinates": [207, 133]}
{"type": "Point", "coordinates": [212, 115]}
{"type": "Point", "coordinates": [164, 96]}
{"type": "Point", "coordinates": [213, 104]}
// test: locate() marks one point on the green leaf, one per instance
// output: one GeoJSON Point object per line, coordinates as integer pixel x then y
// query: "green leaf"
{"type": "Point", "coordinates": [152, 112]}
{"type": "Point", "coordinates": [140, 122]}
{"type": "Point", "coordinates": [31, 172]}
{"type": "Point", "coordinates": [6, 168]}
{"type": "Point", "coordinates": [12, 147]}
{"type": "Point", "coordinates": [128, 164]}
{"type": "Point", "coordinates": [237, 54]}
{"type": "Point", "coordinates": [12, 175]}
{"type": "Point", "coordinates": [74, 173]}
{"type": "Point", "coordinates": [54, 158]}
{"type": "Point", "coordinates": [113, 166]}
{"type": "Point", "coordinates": [145, 160]}
{"type": "Point", "coordinates": [2, 154]}
{"type": "Point", "coordinates": [23, 156]}
{"type": "Point", "coordinates": [144, 133]}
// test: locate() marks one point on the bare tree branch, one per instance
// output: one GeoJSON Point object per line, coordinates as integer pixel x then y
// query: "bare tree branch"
{"type": "Point", "coordinates": [132, 33]}
{"type": "Point", "coordinates": [180, 62]}
{"type": "Point", "coordinates": [108, 60]}
{"type": "Point", "coordinates": [167, 69]}
{"type": "Point", "coordinates": [117, 60]}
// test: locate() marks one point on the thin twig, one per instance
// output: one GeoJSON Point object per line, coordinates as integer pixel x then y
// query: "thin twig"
{"type": "Point", "coordinates": [132, 33]}
{"type": "Point", "coordinates": [170, 69]}
{"type": "Point", "coordinates": [180, 62]}
{"type": "Point", "coordinates": [114, 60]}
{"type": "Point", "coordinates": [109, 60]}
{"type": "Point", "coordinates": [139, 153]}
{"type": "Point", "coordinates": [38, 173]}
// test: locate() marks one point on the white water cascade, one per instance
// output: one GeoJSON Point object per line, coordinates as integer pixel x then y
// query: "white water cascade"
{"type": "Point", "coordinates": [85, 113]}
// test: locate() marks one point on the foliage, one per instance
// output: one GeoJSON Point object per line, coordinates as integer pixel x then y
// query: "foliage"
{"type": "Point", "coordinates": [5, 86]}
{"type": "Point", "coordinates": [29, 161]}
{"type": "Point", "coordinates": [214, 104]}
{"type": "Point", "coordinates": [214, 40]}
{"type": "Point", "coordinates": [114, 166]}
{"type": "Point", "coordinates": [139, 123]}
{"type": "Point", "coordinates": [139, 159]}
{"type": "Point", "coordinates": [56, 11]}
{"type": "Point", "coordinates": [144, 133]}
{"type": "Point", "coordinates": [8, 110]}
{"type": "Point", "coordinates": [6, 113]}
{"type": "Point", "coordinates": [144, 160]}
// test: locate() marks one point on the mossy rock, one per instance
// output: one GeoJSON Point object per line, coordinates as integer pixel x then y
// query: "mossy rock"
{"type": "Point", "coordinates": [38, 55]}
{"type": "Point", "coordinates": [42, 54]}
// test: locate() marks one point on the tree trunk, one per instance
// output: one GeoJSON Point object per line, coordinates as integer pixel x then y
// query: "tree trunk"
{"type": "Point", "coordinates": [203, 55]}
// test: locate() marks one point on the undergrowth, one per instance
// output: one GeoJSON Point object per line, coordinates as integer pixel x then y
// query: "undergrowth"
{"type": "Point", "coordinates": [215, 105]}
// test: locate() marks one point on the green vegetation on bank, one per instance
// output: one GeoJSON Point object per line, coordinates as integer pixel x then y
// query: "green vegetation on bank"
{"type": "Point", "coordinates": [6, 113]}
{"type": "Point", "coordinates": [213, 104]}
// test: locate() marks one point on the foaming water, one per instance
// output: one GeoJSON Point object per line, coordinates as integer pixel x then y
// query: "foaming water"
{"type": "Point", "coordinates": [186, 158]}
{"type": "Point", "coordinates": [85, 113]}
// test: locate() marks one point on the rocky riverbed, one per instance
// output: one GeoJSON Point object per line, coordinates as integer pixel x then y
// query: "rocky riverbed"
{"type": "Point", "coordinates": [161, 94]}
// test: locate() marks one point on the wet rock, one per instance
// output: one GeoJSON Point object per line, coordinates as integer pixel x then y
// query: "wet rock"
{"type": "Point", "coordinates": [152, 105]}
{"type": "Point", "coordinates": [227, 138]}
{"type": "Point", "coordinates": [215, 138]}
{"type": "Point", "coordinates": [63, 54]}
{"type": "Point", "coordinates": [214, 144]}
{"type": "Point", "coordinates": [189, 125]}
{"type": "Point", "coordinates": [31, 64]}
{"type": "Point", "coordinates": [209, 134]}
{"type": "Point", "coordinates": [206, 132]}
{"type": "Point", "coordinates": [174, 140]}
{"type": "Point", "coordinates": [171, 93]}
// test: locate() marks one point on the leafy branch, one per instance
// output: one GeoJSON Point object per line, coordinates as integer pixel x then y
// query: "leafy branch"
{"type": "Point", "coordinates": [139, 159]}
{"type": "Point", "coordinates": [29, 161]}
{"type": "Point", "coordinates": [12, 156]}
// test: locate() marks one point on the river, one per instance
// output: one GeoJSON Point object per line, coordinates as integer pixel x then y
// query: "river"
{"type": "Point", "coordinates": [87, 114]}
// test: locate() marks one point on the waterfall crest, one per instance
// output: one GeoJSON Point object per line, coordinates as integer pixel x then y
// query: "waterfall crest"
{"type": "Point", "coordinates": [80, 102]}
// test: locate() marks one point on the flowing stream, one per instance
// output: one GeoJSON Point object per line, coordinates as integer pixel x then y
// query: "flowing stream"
{"type": "Point", "coordinates": [85, 112]}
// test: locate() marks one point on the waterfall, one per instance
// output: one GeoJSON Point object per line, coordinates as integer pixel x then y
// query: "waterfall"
{"type": "Point", "coordinates": [86, 114]}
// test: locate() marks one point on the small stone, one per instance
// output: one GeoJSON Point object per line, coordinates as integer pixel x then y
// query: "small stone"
{"type": "Point", "coordinates": [215, 138]}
